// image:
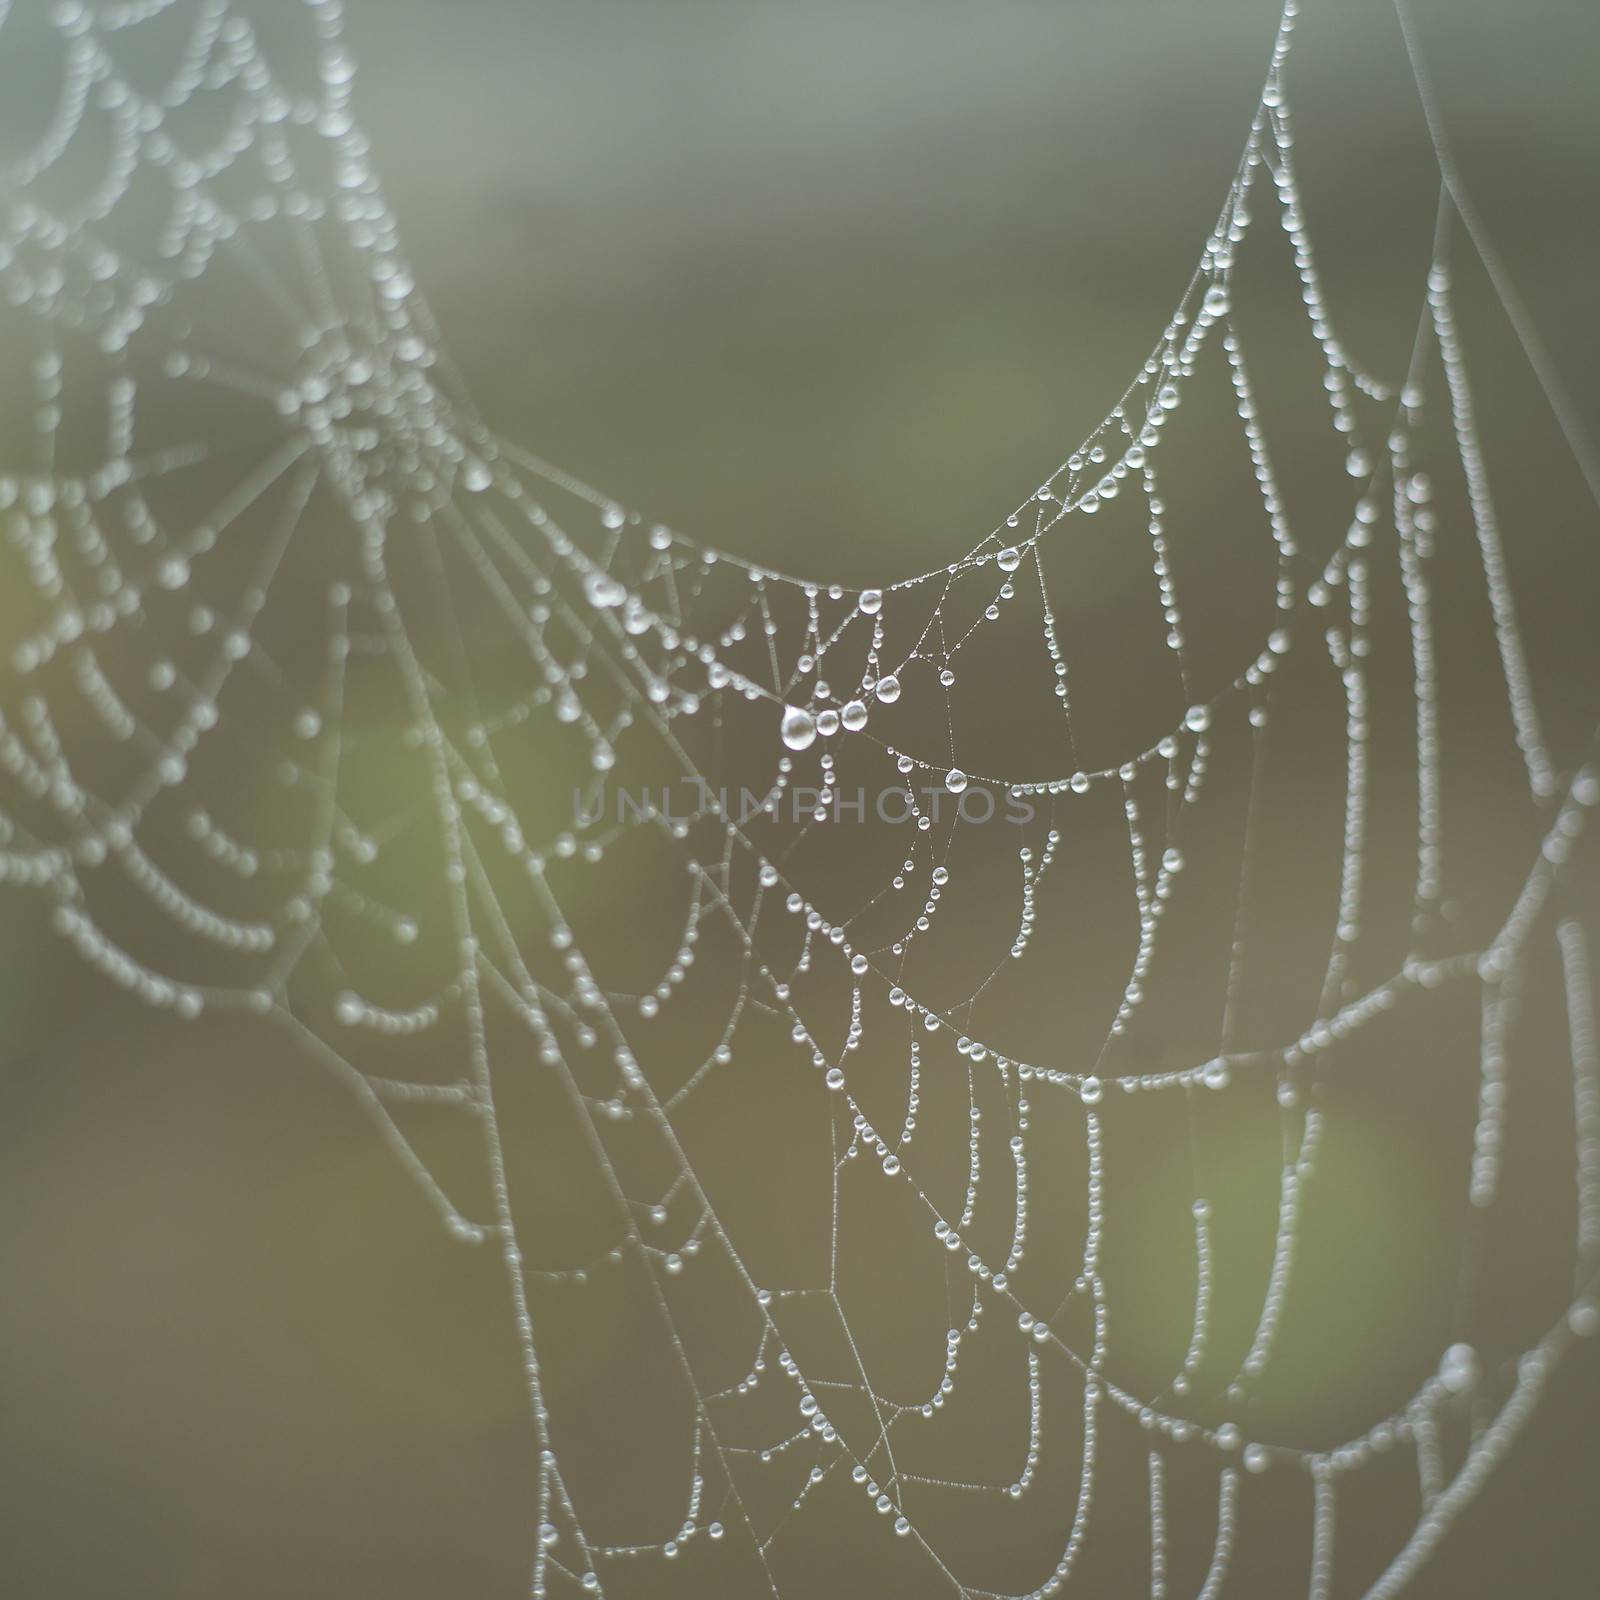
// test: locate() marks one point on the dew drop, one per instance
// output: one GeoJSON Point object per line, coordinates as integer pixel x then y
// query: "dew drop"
{"type": "Point", "coordinates": [603, 590]}
{"type": "Point", "coordinates": [1458, 1368]}
{"type": "Point", "coordinates": [799, 728]}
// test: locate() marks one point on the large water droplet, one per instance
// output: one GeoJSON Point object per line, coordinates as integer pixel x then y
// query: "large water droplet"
{"type": "Point", "coordinates": [1009, 559]}
{"type": "Point", "coordinates": [799, 728]}
{"type": "Point", "coordinates": [955, 780]}
{"type": "Point", "coordinates": [1458, 1368]}
{"type": "Point", "coordinates": [603, 590]}
{"type": "Point", "coordinates": [871, 601]}
{"type": "Point", "coordinates": [888, 690]}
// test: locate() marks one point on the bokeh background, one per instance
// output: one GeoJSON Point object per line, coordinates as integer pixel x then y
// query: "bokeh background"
{"type": "Point", "coordinates": [832, 286]}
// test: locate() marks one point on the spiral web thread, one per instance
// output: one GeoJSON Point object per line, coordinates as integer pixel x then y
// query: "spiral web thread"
{"type": "Point", "coordinates": [417, 936]}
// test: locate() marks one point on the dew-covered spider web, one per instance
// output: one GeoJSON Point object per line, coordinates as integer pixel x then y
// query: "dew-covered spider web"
{"type": "Point", "coordinates": [922, 1035]}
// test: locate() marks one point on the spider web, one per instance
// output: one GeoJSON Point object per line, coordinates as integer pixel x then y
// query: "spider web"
{"type": "Point", "coordinates": [711, 944]}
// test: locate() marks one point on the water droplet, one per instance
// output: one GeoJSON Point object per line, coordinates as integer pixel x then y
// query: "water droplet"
{"type": "Point", "coordinates": [1090, 1091]}
{"type": "Point", "coordinates": [955, 780]}
{"type": "Point", "coordinates": [888, 690]}
{"type": "Point", "coordinates": [871, 601]}
{"type": "Point", "coordinates": [1009, 559]}
{"type": "Point", "coordinates": [1458, 1368]}
{"type": "Point", "coordinates": [799, 728]}
{"type": "Point", "coordinates": [854, 716]}
{"type": "Point", "coordinates": [603, 590]}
